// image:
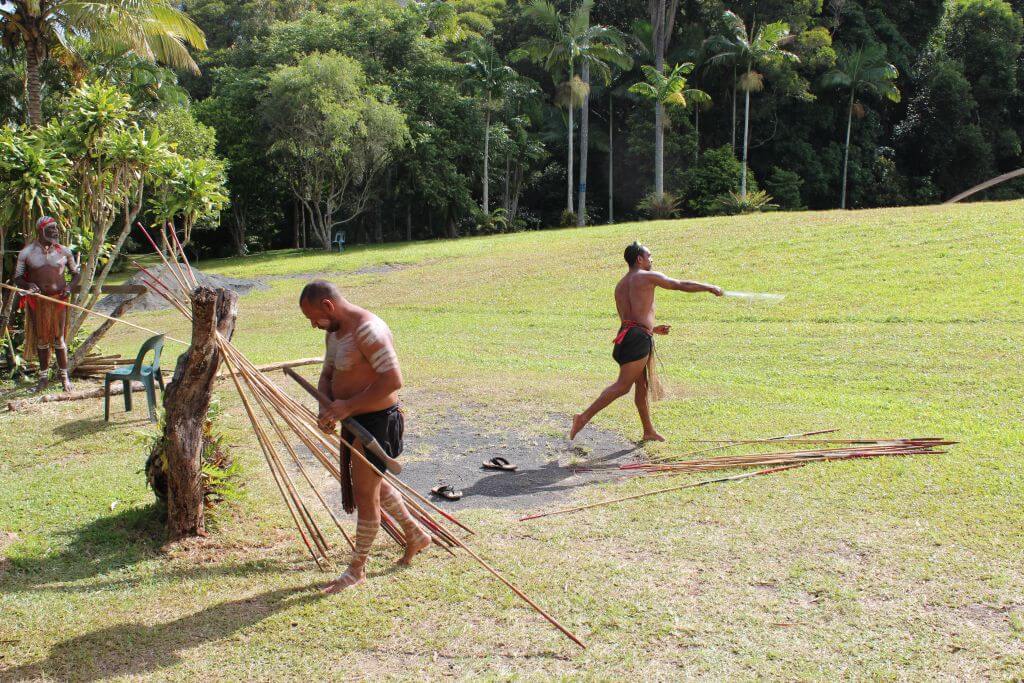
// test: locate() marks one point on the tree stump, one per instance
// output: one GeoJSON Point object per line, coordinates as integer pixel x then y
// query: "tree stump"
{"type": "Point", "coordinates": [187, 400]}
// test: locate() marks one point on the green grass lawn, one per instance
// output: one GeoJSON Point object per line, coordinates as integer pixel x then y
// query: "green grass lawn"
{"type": "Point", "coordinates": [900, 322]}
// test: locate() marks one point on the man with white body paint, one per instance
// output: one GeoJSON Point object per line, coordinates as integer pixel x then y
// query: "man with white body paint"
{"type": "Point", "coordinates": [362, 377]}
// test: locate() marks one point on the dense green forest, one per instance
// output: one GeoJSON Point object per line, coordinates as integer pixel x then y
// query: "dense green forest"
{"type": "Point", "coordinates": [397, 120]}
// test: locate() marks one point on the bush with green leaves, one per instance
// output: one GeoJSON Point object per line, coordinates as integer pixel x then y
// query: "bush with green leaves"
{"type": "Point", "coordinates": [784, 186]}
{"type": "Point", "coordinates": [732, 203]}
{"type": "Point", "coordinates": [659, 206]}
{"type": "Point", "coordinates": [220, 472]}
{"type": "Point", "coordinates": [716, 173]}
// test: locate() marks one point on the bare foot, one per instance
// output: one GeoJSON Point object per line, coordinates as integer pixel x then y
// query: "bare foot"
{"type": "Point", "coordinates": [414, 547]}
{"type": "Point", "coordinates": [41, 385]}
{"type": "Point", "coordinates": [652, 436]}
{"type": "Point", "coordinates": [578, 423]}
{"type": "Point", "coordinates": [351, 577]}
{"type": "Point", "coordinates": [66, 384]}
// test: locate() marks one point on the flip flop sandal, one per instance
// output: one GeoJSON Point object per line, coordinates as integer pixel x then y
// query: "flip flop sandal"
{"type": "Point", "coordinates": [500, 463]}
{"type": "Point", "coordinates": [447, 492]}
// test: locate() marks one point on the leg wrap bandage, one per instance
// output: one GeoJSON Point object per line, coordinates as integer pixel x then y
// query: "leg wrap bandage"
{"type": "Point", "coordinates": [391, 501]}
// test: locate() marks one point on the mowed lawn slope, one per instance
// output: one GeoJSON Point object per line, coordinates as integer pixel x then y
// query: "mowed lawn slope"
{"type": "Point", "coordinates": [905, 322]}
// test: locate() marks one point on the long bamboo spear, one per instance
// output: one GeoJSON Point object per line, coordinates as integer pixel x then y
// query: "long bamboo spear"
{"type": "Point", "coordinates": [25, 292]}
{"type": "Point", "coordinates": [611, 501]}
{"type": "Point", "coordinates": [736, 443]}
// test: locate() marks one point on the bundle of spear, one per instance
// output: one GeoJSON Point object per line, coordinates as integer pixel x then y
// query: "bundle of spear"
{"type": "Point", "coordinates": [776, 461]}
{"type": "Point", "coordinates": [284, 414]}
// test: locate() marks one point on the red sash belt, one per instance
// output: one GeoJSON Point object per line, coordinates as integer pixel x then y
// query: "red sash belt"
{"type": "Point", "coordinates": [30, 302]}
{"type": "Point", "coordinates": [627, 325]}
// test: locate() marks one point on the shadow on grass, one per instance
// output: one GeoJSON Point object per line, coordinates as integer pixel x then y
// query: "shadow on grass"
{"type": "Point", "coordinates": [548, 478]}
{"type": "Point", "coordinates": [107, 545]}
{"type": "Point", "coordinates": [76, 429]}
{"type": "Point", "coordinates": [134, 649]}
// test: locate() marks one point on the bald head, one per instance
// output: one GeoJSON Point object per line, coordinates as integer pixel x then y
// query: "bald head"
{"type": "Point", "coordinates": [318, 290]}
{"type": "Point", "coordinates": [321, 302]}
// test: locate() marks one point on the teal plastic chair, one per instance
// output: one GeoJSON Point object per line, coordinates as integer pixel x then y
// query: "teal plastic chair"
{"type": "Point", "coordinates": [138, 372]}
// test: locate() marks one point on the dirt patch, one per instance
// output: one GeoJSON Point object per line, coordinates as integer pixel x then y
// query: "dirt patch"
{"type": "Point", "coordinates": [151, 301]}
{"type": "Point", "coordinates": [452, 453]}
{"type": "Point", "coordinates": [365, 270]}
{"type": "Point", "coordinates": [380, 268]}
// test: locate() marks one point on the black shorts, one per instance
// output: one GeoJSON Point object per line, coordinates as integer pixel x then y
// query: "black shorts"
{"type": "Point", "coordinates": [388, 427]}
{"type": "Point", "coordinates": [635, 345]}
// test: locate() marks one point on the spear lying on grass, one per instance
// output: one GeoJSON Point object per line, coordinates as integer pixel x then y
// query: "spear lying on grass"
{"type": "Point", "coordinates": [775, 462]}
{"type": "Point", "coordinates": [691, 485]}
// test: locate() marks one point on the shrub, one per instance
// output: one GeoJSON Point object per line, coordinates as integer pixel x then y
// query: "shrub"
{"type": "Point", "coordinates": [784, 186]}
{"type": "Point", "coordinates": [716, 173]}
{"type": "Point", "coordinates": [731, 203]}
{"type": "Point", "coordinates": [659, 207]}
{"type": "Point", "coordinates": [219, 471]}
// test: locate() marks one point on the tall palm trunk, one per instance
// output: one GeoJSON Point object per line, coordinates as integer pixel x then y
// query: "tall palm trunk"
{"type": "Point", "coordinates": [659, 134]}
{"type": "Point", "coordinates": [696, 132]}
{"type": "Point", "coordinates": [611, 161]}
{"type": "Point", "coordinates": [734, 109]}
{"type": "Point", "coordinates": [846, 152]}
{"type": "Point", "coordinates": [569, 162]}
{"type": "Point", "coordinates": [746, 140]}
{"type": "Point", "coordinates": [33, 84]}
{"type": "Point", "coordinates": [487, 153]}
{"type": "Point", "coordinates": [581, 205]}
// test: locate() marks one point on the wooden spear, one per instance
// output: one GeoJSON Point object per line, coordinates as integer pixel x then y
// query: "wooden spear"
{"type": "Point", "coordinates": [735, 477]}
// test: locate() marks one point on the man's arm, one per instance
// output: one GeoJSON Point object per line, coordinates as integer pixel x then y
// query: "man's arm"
{"type": "Point", "coordinates": [76, 272]}
{"type": "Point", "coordinates": [374, 342]}
{"type": "Point", "coordinates": [665, 282]}
{"type": "Point", "coordinates": [20, 270]}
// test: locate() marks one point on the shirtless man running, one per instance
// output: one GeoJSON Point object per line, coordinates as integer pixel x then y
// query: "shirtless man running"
{"type": "Point", "coordinates": [362, 377]}
{"type": "Point", "coordinates": [634, 345]}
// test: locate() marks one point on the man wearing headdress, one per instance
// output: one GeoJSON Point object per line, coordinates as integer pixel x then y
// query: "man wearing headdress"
{"type": "Point", "coordinates": [41, 269]}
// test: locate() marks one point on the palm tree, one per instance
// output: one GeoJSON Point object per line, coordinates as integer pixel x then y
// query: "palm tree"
{"type": "Point", "coordinates": [862, 70]}
{"type": "Point", "coordinates": [667, 89]}
{"type": "Point", "coordinates": [663, 20]}
{"type": "Point", "coordinates": [488, 79]}
{"type": "Point", "coordinates": [748, 49]}
{"type": "Point", "coordinates": [154, 29]}
{"type": "Point", "coordinates": [570, 42]}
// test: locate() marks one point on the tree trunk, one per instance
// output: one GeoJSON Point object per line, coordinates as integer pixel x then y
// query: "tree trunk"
{"type": "Point", "coordinates": [187, 400]}
{"type": "Point", "coordinates": [696, 132]}
{"type": "Point", "coordinates": [408, 222]}
{"type": "Point", "coordinates": [611, 160]}
{"type": "Point", "coordinates": [581, 205]}
{"type": "Point", "coordinates": [570, 175]}
{"type": "Point", "coordinates": [6, 296]}
{"type": "Point", "coordinates": [659, 110]}
{"type": "Point", "coordinates": [507, 199]}
{"type": "Point", "coordinates": [33, 84]}
{"type": "Point", "coordinates": [487, 155]}
{"type": "Point", "coordinates": [746, 140]}
{"type": "Point", "coordinates": [659, 149]}
{"type": "Point", "coordinates": [846, 152]}
{"type": "Point", "coordinates": [239, 226]}
{"type": "Point", "coordinates": [734, 109]}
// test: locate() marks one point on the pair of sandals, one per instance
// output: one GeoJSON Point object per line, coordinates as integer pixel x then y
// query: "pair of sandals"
{"type": "Point", "coordinates": [449, 492]}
